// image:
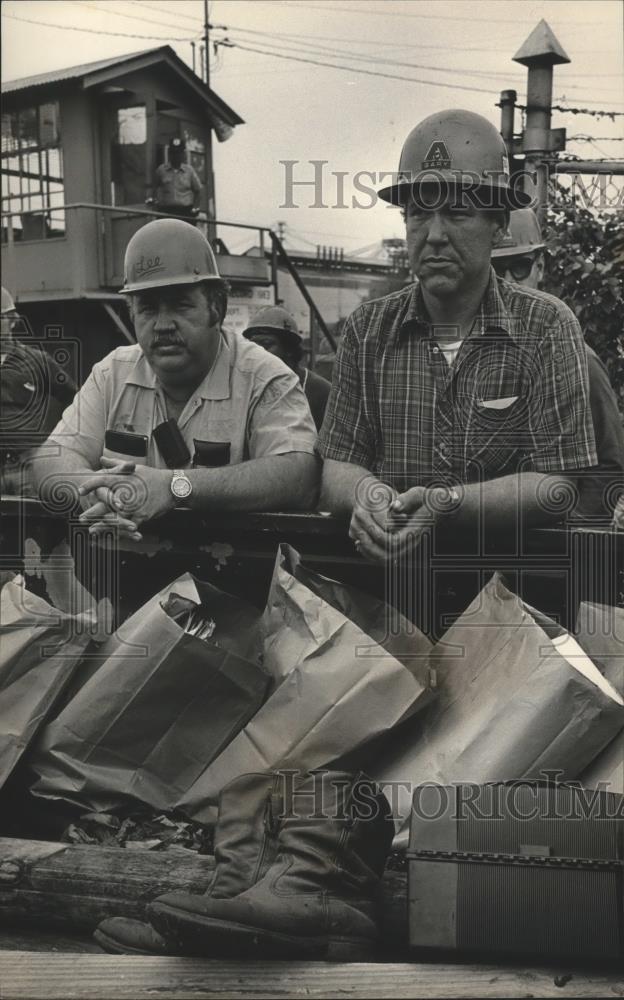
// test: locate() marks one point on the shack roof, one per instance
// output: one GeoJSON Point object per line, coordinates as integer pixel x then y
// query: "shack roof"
{"type": "Point", "coordinates": [107, 70]}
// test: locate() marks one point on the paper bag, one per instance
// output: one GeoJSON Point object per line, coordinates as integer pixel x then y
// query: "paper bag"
{"type": "Point", "coordinates": [378, 621]}
{"type": "Point", "coordinates": [337, 686]}
{"type": "Point", "coordinates": [160, 707]}
{"type": "Point", "coordinates": [600, 631]}
{"type": "Point", "coordinates": [40, 648]}
{"type": "Point", "coordinates": [517, 698]}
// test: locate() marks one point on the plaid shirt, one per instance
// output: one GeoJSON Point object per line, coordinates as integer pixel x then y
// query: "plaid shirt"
{"type": "Point", "coordinates": [515, 399]}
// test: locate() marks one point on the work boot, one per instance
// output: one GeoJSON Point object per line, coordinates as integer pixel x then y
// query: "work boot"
{"type": "Point", "coordinates": [317, 900]}
{"type": "Point", "coordinates": [245, 847]}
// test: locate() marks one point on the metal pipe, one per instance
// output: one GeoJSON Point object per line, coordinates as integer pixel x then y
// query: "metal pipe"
{"type": "Point", "coordinates": [589, 167]}
{"type": "Point", "coordinates": [508, 108]}
{"type": "Point", "coordinates": [120, 210]}
{"type": "Point", "coordinates": [277, 244]}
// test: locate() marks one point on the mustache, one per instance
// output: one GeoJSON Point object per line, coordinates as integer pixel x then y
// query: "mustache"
{"type": "Point", "coordinates": [167, 342]}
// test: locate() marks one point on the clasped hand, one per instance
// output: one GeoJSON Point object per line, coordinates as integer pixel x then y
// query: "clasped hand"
{"type": "Point", "coordinates": [121, 495]}
{"type": "Point", "coordinates": [385, 525]}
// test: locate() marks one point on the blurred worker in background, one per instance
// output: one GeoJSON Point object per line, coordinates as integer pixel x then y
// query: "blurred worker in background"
{"type": "Point", "coordinates": [188, 415]}
{"type": "Point", "coordinates": [276, 330]}
{"type": "Point", "coordinates": [176, 184]}
{"type": "Point", "coordinates": [520, 258]}
{"type": "Point", "coordinates": [34, 391]}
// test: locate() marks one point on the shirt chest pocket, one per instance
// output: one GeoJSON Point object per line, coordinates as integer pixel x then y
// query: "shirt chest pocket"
{"type": "Point", "coordinates": [211, 454]}
{"type": "Point", "coordinates": [125, 446]}
{"type": "Point", "coordinates": [502, 405]}
{"type": "Point", "coordinates": [499, 416]}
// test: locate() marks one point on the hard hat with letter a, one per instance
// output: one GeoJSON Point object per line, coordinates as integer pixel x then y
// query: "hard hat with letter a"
{"type": "Point", "coordinates": [167, 252]}
{"type": "Point", "coordinates": [460, 149]}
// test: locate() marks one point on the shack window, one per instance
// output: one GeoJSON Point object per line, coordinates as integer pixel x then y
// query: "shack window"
{"type": "Point", "coordinates": [128, 156]}
{"type": "Point", "coordinates": [195, 142]}
{"type": "Point", "coordinates": [33, 190]}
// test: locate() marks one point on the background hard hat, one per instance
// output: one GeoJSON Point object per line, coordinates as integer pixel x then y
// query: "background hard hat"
{"type": "Point", "coordinates": [8, 305]}
{"type": "Point", "coordinates": [455, 147]}
{"type": "Point", "coordinates": [523, 235]}
{"type": "Point", "coordinates": [275, 319]}
{"type": "Point", "coordinates": [167, 252]}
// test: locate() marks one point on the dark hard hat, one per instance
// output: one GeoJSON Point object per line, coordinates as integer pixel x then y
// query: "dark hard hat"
{"type": "Point", "coordinates": [523, 235]}
{"type": "Point", "coordinates": [177, 144]}
{"type": "Point", "coordinates": [274, 319]}
{"type": "Point", "coordinates": [458, 148]}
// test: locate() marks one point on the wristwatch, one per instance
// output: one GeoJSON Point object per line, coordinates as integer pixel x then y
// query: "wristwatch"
{"type": "Point", "coordinates": [181, 485]}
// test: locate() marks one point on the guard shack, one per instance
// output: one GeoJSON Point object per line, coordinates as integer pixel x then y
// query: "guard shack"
{"type": "Point", "coordinates": [79, 151]}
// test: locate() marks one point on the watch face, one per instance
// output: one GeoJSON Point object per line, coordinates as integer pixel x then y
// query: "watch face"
{"type": "Point", "coordinates": [181, 487]}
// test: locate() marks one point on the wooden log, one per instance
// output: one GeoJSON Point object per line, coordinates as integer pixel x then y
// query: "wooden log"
{"type": "Point", "coordinates": [78, 885]}
{"type": "Point", "coordinates": [32, 976]}
{"type": "Point", "coordinates": [65, 885]}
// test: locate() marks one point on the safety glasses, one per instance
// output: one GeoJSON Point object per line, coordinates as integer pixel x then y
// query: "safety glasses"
{"type": "Point", "coordinates": [518, 267]}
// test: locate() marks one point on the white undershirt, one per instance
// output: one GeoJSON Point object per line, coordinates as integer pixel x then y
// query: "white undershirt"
{"type": "Point", "coordinates": [450, 351]}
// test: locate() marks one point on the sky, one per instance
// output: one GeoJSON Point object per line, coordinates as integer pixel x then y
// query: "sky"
{"type": "Point", "coordinates": [354, 120]}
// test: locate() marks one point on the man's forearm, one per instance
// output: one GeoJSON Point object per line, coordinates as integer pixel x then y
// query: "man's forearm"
{"type": "Point", "coordinates": [53, 467]}
{"type": "Point", "coordinates": [342, 485]}
{"type": "Point", "coordinates": [277, 482]}
{"type": "Point", "coordinates": [533, 498]}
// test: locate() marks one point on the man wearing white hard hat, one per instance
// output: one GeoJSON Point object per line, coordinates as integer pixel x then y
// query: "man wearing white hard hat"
{"type": "Point", "coordinates": [460, 398]}
{"type": "Point", "coordinates": [520, 257]}
{"type": "Point", "coordinates": [187, 416]}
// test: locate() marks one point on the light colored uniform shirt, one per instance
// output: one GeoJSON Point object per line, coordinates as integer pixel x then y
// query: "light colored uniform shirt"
{"type": "Point", "coordinates": [176, 185]}
{"type": "Point", "coordinates": [250, 400]}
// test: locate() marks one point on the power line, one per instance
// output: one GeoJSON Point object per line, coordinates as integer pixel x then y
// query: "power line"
{"type": "Point", "coordinates": [309, 50]}
{"type": "Point", "coordinates": [422, 17]}
{"type": "Point", "coordinates": [356, 69]}
{"type": "Point", "coordinates": [98, 31]}
{"type": "Point", "coordinates": [344, 54]}
{"type": "Point", "coordinates": [312, 39]}
{"type": "Point", "coordinates": [160, 10]}
{"type": "Point", "coordinates": [121, 13]}
{"type": "Point", "coordinates": [377, 61]}
{"type": "Point", "coordinates": [391, 76]}
{"type": "Point", "coordinates": [341, 38]}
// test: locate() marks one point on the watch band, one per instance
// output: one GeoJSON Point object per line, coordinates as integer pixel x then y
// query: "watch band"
{"type": "Point", "coordinates": [181, 486]}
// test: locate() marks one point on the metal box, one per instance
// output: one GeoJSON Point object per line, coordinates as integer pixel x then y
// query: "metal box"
{"type": "Point", "coordinates": [524, 868]}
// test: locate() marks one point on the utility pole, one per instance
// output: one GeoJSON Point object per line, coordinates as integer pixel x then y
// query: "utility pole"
{"type": "Point", "coordinates": [539, 142]}
{"type": "Point", "coordinates": [212, 198]}
{"type": "Point", "coordinates": [207, 42]}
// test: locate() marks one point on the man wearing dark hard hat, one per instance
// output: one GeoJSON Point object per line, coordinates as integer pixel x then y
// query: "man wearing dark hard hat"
{"type": "Point", "coordinates": [276, 330]}
{"type": "Point", "coordinates": [188, 415]}
{"type": "Point", "coordinates": [520, 257]}
{"type": "Point", "coordinates": [34, 391]}
{"type": "Point", "coordinates": [460, 397]}
{"type": "Point", "coordinates": [176, 184]}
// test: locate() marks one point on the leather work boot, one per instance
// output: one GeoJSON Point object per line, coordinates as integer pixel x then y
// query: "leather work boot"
{"type": "Point", "coordinates": [245, 847]}
{"type": "Point", "coordinates": [317, 900]}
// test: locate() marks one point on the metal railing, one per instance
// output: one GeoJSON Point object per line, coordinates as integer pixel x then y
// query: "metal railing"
{"type": "Point", "coordinates": [268, 243]}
